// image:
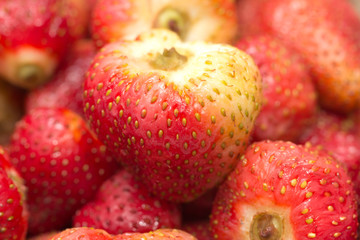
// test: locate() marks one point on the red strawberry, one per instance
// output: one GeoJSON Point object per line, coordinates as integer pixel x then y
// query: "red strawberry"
{"type": "Point", "coordinates": [289, 95]}
{"type": "Point", "coordinates": [65, 89]}
{"type": "Point", "coordinates": [200, 208]}
{"type": "Point", "coordinates": [35, 35]}
{"type": "Point", "coordinates": [181, 113]}
{"type": "Point", "coordinates": [82, 234]}
{"type": "Point", "coordinates": [44, 236]}
{"type": "Point", "coordinates": [124, 205]}
{"type": "Point", "coordinates": [337, 135]}
{"type": "Point", "coordinates": [281, 190]}
{"type": "Point", "coordinates": [213, 21]}
{"type": "Point", "coordinates": [11, 110]}
{"type": "Point", "coordinates": [13, 213]}
{"type": "Point", "coordinates": [325, 32]}
{"type": "Point", "coordinates": [160, 234]}
{"type": "Point", "coordinates": [199, 229]}
{"type": "Point", "coordinates": [62, 162]}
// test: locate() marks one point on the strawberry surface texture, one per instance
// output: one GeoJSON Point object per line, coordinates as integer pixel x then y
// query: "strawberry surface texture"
{"type": "Point", "coordinates": [281, 190]}
{"type": "Point", "coordinates": [179, 114]}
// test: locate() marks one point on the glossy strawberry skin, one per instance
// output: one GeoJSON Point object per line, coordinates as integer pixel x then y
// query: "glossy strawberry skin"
{"type": "Point", "coordinates": [306, 181]}
{"type": "Point", "coordinates": [124, 205]}
{"type": "Point", "coordinates": [328, 40]}
{"type": "Point", "coordinates": [62, 163]}
{"type": "Point", "coordinates": [81, 233]}
{"type": "Point", "coordinates": [14, 217]}
{"type": "Point", "coordinates": [289, 94]}
{"type": "Point", "coordinates": [27, 26]}
{"type": "Point", "coordinates": [65, 88]}
{"type": "Point", "coordinates": [337, 135]}
{"type": "Point", "coordinates": [181, 137]}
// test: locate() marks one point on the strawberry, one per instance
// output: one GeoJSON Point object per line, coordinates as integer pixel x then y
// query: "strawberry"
{"type": "Point", "coordinates": [160, 234]}
{"type": "Point", "coordinates": [65, 89]}
{"type": "Point", "coordinates": [35, 35]}
{"type": "Point", "coordinates": [289, 94]}
{"type": "Point", "coordinates": [62, 162]}
{"type": "Point", "coordinates": [13, 213]}
{"type": "Point", "coordinates": [124, 205]}
{"type": "Point", "coordinates": [328, 40]}
{"type": "Point", "coordinates": [281, 190]}
{"type": "Point", "coordinates": [82, 234]}
{"type": "Point", "coordinates": [199, 229]}
{"type": "Point", "coordinates": [337, 135]}
{"type": "Point", "coordinates": [180, 114]}
{"type": "Point", "coordinates": [11, 109]}
{"type": "Point", "coordinates": [44, 236]}
{"type": "Point", "coordinates": [213, 21]}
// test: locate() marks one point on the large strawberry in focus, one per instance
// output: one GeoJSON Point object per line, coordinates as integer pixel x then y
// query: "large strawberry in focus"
{"type": "Point", "coordinates": [206, 20]}
{"type": "Point", "coordinates": [179, 113]}
{"type": "Point", "coordinates": [35, 36]}
{"type": "Point", "coordinates": [13, 213]}
{"type": "Point", "coordinates": [65, 89]}
{"type": "Point", "coordinates": [124, 205]}
{"type": "Point", "coordinates": [62, 162]}
{"type": "Point", "coordinates": [281, 190]}
{"type": "Point", "coordinates": [289, 95]}
{"type": "Point", "coordinates": [327, 35]}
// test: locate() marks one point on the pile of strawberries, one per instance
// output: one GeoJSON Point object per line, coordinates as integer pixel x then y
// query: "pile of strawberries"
{"type": "Point", "coordinates": [176, 119]}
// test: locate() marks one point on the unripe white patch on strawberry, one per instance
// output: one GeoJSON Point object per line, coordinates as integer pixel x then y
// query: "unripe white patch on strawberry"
{"type": "Point", "coordinates": [181, 113]}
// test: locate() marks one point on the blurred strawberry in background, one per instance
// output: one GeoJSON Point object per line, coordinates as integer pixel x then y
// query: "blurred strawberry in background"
{"type": "Point", "coordinates": [65, 88]}
{"type": "Point", "coordinates": [213, 21]}
{"type": "Point", "coordinates": [35, 37]}
{"type": "Point", "coordinates": [326, 33]}
{"type": "Point", "coordinates": [62, 162]}
{"type": "Point", "coordinates": [289, 104]}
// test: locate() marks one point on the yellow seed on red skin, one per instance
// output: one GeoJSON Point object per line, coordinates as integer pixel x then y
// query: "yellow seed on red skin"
{"type": "Point", "coordinates": [283, 190]}
{"type": "Point", "coordinates": [183, 121]}
{"type": "Point", "coordinates": [311, 235]}
{"type": "Point", "coordinates": [309, 194]}
{"type": "Point", "coordinates": [305, 211]}
{"type": "Point", "coordinates": [309, 220]}
{"type": "Point", "coordinates": [337, 234]}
